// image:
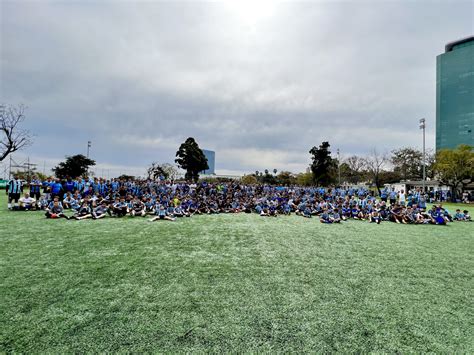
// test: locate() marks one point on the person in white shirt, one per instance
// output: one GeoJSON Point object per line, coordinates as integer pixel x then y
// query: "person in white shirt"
{"type": "Point", "coordinates": [27, 203]}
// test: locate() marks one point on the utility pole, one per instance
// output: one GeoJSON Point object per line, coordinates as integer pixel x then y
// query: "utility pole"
{"type": "Point", "coordinates": [423, 127]}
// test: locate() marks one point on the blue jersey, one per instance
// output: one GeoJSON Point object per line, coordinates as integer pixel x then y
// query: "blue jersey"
{"type": "Point", "coordinates": [56, 188]}
{"type": "Point", "coordinates": [69, 186]}
{"type": "Point", "coordinates": [79, 186]}
{"type": "Point", "coordinates": [14, 186]}
{"type": "Point", "coordinates": [35, 186]}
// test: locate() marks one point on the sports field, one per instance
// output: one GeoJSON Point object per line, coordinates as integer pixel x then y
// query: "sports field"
{"type": "Point", "coordinates": [234, 283]}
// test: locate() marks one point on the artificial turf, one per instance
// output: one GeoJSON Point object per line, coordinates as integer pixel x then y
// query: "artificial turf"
{"type": "Point", "coordinates": [237, 283]}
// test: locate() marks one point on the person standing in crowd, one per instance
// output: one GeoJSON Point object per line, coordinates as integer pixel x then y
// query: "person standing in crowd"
{"type": "Point", "coordinates": [57, 189]}
{"type": "Point", "coordinates": [35, 188]}
{"type": "Point", "coordinates": [14, 190]}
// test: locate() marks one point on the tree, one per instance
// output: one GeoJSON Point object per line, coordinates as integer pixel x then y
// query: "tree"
{"type": "Point", "coordinates": [285, 178]}
{"type": "Point", "coordinates": [126, 177]}
{"type": "Point", "coordinates": [28, 175]}
{"type": "Point", "coordinates": [323, 166]}
{"type": "Point", "coordinates": [74, 166]}
{"type": "Point", "coordinates": [455, 167]}
{"type": "Point", "coordinates": [12, 138]}
{"type": "Point", "coordinates": [191, 158]}
{"type": "Point", "coordinates": [304, 179]}
{"type": "Point", "coordinates": [170, 170]}
{"type": "Point", "coordinates": [375, 163]}
{"type": "Point", "coordinates": [268, 178]}
{"type": "Point", "coordinates": [156, 171]}
{"type": "Point", "coordinates": [249, 180]}
{"type": "Point", "coordinates": [408, 162]}
{"type": "Point", "coordinates": [352, 169]}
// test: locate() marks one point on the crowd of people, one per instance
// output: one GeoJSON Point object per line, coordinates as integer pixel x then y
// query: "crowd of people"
{"type": "Point", "coordinates": [97, 198]}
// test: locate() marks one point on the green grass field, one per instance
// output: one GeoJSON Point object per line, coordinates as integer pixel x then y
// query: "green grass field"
{"type": "Point", "coordinates": [237, 283]}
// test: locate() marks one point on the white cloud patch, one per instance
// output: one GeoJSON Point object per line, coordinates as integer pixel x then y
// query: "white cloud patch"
{"type": "Point", "coordinates": [258, 82]}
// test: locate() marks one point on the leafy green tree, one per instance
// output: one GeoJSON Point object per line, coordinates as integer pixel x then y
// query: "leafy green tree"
{"type": "Point", "coordinates": [455, 167]}
{"type": "Point", "coordinates": [323, 166]}
{"type": "Point", "coordinates": [191, 158]}
{"type": "Point", "coordinates": [126, 177]}
{"type": "Point", "coordinates": [304, 179]}
{"type": "Point", "coordinates": [249, 179]}
{"type": "Point", "coordinates": [285, 178]}
{"type": "Point", "coordinates": [408, 162]}
{"type": "Point", "coordinates": [74, 166]}
{"type": "Point", "coordinates": [268, 178]}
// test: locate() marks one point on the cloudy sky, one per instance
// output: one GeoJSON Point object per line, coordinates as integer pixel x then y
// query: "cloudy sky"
{"type": "Point", "coordinates": [259, 82]}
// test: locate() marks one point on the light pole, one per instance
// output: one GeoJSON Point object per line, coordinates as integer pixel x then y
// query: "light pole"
{"type": "Point", "coordinates": [423, 127]}
{"type": "Point", "coordinates": [339, 166]}
{"type": "Point", "coordinates": [89, 144]}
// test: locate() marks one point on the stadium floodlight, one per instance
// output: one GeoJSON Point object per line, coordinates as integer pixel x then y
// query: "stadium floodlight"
{"type": "Point", "coordinates": [423, 127]}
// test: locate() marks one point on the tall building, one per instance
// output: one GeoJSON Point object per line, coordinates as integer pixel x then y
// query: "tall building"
{"type": "Point", "coordinates": [211, 161]}
{"type": "Point", "coordinates": [455, 94]}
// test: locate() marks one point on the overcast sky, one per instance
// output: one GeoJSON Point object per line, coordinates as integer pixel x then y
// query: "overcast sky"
{"type": "Point", "coordinates": [259, 82]}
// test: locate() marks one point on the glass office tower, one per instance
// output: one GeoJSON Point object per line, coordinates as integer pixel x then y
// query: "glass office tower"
{"type": "Point", "coordinates": [211, 161]}
{"type": "Point", "coordinates": [455, 95]}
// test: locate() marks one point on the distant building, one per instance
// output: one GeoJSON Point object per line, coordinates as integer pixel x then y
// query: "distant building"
{"type": "Point", "coordinates": [211, 161]}
{"type": "Point", "coordinates": [455, 95]}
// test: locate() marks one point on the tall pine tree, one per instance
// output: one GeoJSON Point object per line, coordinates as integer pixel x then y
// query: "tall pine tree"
{"type": "Point", "coordinates": [323, 166]}
{"type": "Point", "coordinates": [191, 158]}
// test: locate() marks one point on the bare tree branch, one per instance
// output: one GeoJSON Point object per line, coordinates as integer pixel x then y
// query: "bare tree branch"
{"type": "Point", "coordinates": [12, 137]}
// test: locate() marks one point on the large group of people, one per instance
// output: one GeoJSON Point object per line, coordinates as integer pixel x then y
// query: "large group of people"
{"type": "Point", "coordinates": [97, 198]}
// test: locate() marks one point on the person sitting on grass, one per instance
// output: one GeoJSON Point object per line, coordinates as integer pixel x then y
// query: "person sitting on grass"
{"type": "Point", "coordinates": [459, 216]}
{"type": "Point", "coordinates": [84, 211]}
{"type": "Point", "coordinates": [120, 207]}
{"type": "Point", "coordinates": [138, 208]}
{"type": "Point", "coordinates": [335, 217]}
{"type": "Point", "coordinates": [179, 212]}
{"type": "Point", "coordinates": [162, 214]}
{"type": "Point", "coordinates": [375, 217]}
{"type": "Point", "coordinates": [55, 210]}
{"type": "Point", "coordinates": [100, 211]}
{"type": "Point", "coordinates": [324, 217]}
{"type": "Point", "coordinates": [68, 201]}
{"type": "Point", "coordinates": [437, 216]}
{"type": "Point", "coordinates": [27, 203]}
{"type": "Point", "coordinates": [307, 212]}
{"type": "Point", "coordinates": [467, 216]}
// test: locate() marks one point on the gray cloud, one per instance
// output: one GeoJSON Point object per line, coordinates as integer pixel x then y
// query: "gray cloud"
{"type": "Point", "coordinates": [258, 86]}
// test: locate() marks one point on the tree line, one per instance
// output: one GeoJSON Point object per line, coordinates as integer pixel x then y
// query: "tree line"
{"type": "Point", "coordinates": [452, 167]}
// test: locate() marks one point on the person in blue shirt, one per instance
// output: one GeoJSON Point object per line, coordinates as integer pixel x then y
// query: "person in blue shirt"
{"type": "Point", "coordinates": [69, 185]}
{"type": "Point", "coordinates": [459, 216]}
{"type": "Point", "coordinates": [35, 188]}
{"type": "Point", "coordinates": [324, 217]}
{"type": "Point", "coordinates": [335, 217]}
{"type": "Point", "coordinates": [79, 185]}
{"type": "Point", "coordinates": [161, 214]}
{"type": "Point", "coordinates": [57, 189]}
{"type": "Point", "coordinates": [393, 197]}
